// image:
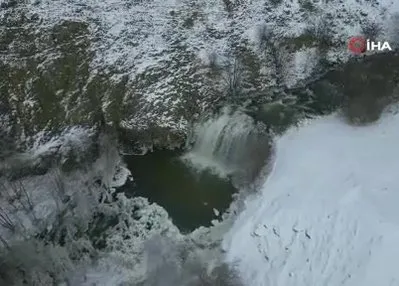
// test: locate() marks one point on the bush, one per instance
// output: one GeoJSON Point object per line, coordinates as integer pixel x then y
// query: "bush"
{"type": "Point", "coordinates": [33, 263]}
{"type": "Point", "coordinates": [276, 2]}
{"type": "Point", "coordinates": [233, 77]}
{"type": "Point", "coordinates": [212, 60]}
{"type": "Point", "coordinates": [264, 35]}
{"type": "Point", "coordinates": [307, 5]}
{"type": "Point", "coordinates": [394, 30]}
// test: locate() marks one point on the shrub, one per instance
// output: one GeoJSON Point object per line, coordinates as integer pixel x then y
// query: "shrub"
{"type": "Point", "coordinates": [371, 30]}
{"type": "Point", "coordinates": [320, 30]}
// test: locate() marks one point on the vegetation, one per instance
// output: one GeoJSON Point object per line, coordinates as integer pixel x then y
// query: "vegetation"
{"type": "Point", "coordinates": [45, 233]}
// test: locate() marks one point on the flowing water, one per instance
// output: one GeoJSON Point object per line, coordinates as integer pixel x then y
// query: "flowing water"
{"type": "Point", "coordinates": [196, 187]}
{"type": "Point", "coordinates": [230, 145]}
{"type": "Point", "coordinates": [327, 214]}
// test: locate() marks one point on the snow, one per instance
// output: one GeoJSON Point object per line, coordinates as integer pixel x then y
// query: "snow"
{"type": "Point", "coordinates": [165, 39]}
{"type": "Point", "coordinates": [45, 196]}
{"type": "Point", "coordinates": [73, 141]}
{"type": "Point", "coordinates": [325, 176]}
{"type": "Point", "coordinates": [104, 273]}
{"type": "Point", "coordinates": [303, 63]}
{"type": "Point", "coordinates": [123, 260]}
{"type": "Point", "coordinates": [327, 213]}
{"type": "Point", "coordinates": [162, 46]}
{"type": "Point", "coordinates": [121, 176]}
{"type": "Point", "coordinates": [136, 35]}
{"type": "Point", "coordinates": [75, 138]}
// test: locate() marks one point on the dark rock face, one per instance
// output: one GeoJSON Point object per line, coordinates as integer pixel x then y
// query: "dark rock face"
{"type": "Point", "coordinates": [140, 141]}
{"type": "Point", "coordinates": [362, 88]}
{"type": "Point", "coordinates": [277, 116]}
{"type": "Point", "coordinates": [367, 85]}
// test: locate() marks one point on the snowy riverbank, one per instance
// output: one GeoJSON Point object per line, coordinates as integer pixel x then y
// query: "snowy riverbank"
{"type": "Point", "coordinates": [327, 214]}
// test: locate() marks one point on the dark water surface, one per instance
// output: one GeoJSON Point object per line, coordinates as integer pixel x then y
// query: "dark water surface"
{"type": "Point", "coordinates": [188, 196]}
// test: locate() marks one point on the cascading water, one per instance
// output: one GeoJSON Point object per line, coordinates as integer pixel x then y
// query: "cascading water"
{"type": "Point", "coordinates": [327, 213]}
{"type": "Point", "coordinates": [230, 144]}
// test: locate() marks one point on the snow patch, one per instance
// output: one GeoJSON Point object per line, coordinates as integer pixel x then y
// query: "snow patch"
{"type": "Point", "coordinates": [74, 138]}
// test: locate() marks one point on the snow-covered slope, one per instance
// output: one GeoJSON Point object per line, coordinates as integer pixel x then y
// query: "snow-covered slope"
{"type": "Point", "coordinates": [134, 35]}
{"type": "Point", "coordinates": [164, 49]}
{"type": "Point", "coordinates": [327, 214]}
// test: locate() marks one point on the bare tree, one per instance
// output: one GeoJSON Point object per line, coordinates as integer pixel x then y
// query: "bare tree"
{"type": "Point", "coordinates": [16, 191]}
{"type": "Point", "coordinates": [170, 263]}
{"type": "Point", "coordinates": [212, 60]}
{"type": "Point", "coordinates": [228, 5]}
{"type": "Point", "coordinates": [58, 191]}
{"type": "Point", "coordinates": [6, 221]}
{"type": "Point", "coordinates": [5, 243]}
{"type": "Point", "coordinates": [264, 36]}
{"type": "Point", "coordinates": [59, 183]}
{"type": "Point", "coordinates": [10, 197]}
{"type": "Point", "coordinates": [7, 142]}
{"type": "Point", "coordinates": [20, 189]}
{"type": "Point", "coordinates": [233, 77]}
{"type": "Point", "coordinates": [280, 57]}
{"type": "Point", "coordinates": [274, 50]}
{"type": "Point", "coordinates": [320, 30]}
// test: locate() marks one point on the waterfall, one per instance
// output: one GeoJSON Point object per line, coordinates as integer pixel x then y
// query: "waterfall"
{"type": "Point", "coordinates": [327, 214]}
{"type": "Point", "coordinates": [230, 144]}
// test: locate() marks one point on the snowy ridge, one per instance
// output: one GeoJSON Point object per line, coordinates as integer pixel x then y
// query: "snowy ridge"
{"type": "Point", "coordinates": [327, 213]}
{"type": "Point", "coordinates": [136, 36]}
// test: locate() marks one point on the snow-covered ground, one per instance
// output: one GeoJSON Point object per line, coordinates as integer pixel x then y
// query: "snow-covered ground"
{"type": "Point", "coordinates": [327, 213]}
{"type": "Point", "coordinates": [76, 138]}
{"type": "Point", "coordinates": [71, 142]}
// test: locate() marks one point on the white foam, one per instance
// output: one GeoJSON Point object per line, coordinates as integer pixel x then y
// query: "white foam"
{"type": "Point", "coordinates": [222, 144]}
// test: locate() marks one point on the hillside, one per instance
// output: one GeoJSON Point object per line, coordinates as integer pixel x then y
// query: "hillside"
{"type": "Point", "coordinates": [151, 67]}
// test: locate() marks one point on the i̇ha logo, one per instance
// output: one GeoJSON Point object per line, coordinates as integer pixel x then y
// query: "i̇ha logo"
{"type": "Point", "coordinates": [359, 45]}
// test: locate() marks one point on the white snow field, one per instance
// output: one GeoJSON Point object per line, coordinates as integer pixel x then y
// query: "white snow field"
{"type": "Point", "coordinates": [328, 212]}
